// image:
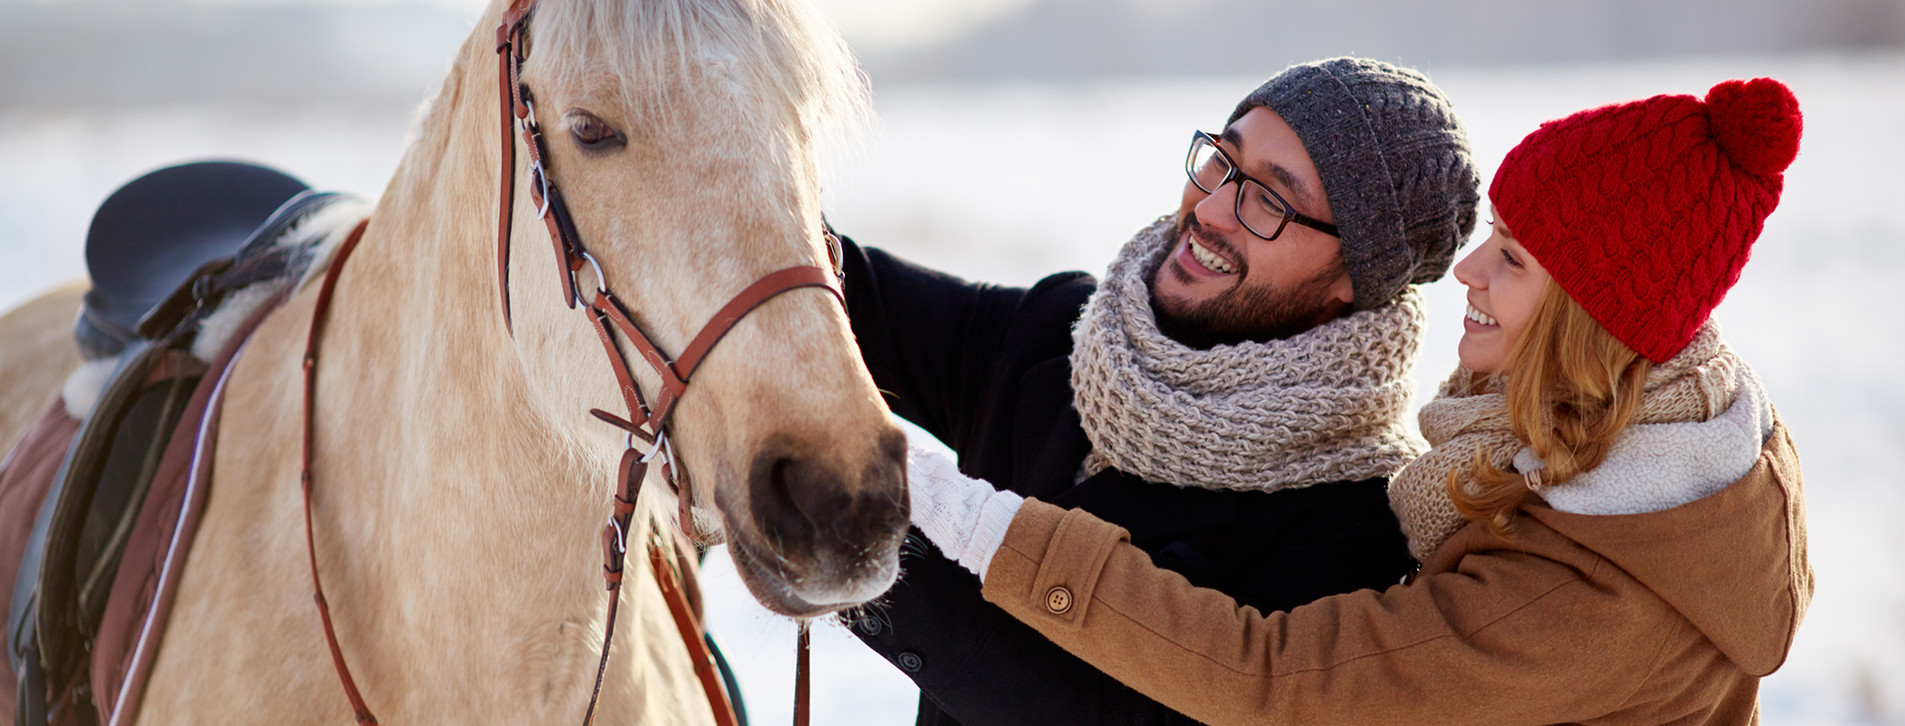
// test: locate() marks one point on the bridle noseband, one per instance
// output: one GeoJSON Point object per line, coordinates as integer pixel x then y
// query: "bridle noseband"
{"type": "Point", "coordinates": [608, 315]}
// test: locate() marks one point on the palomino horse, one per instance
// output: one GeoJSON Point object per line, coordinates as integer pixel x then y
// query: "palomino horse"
{"type": "Point", "coordinates": [462, 486]}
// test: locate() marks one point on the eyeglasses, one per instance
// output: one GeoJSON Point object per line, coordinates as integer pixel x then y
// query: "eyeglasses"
{"type": "Point", "coordinates": [1258, 208]}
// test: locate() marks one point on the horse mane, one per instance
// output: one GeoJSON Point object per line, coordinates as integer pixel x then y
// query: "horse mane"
{"type": "Point", "coordinates": [781, 55]}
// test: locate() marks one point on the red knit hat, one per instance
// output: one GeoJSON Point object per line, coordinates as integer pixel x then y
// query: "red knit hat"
{"type": "Point", "coordinates": [1644, 212]}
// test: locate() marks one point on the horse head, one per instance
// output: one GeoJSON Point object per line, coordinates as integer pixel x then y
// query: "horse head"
{"type": "Point", "coordinates": [681, 136]}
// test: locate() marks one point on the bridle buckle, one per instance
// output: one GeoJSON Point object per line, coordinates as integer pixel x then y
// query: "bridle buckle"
{"type": "Point", "coordinates": [601, 280]}
{"type": "Point", "coordinates": [663, 449]}
{"type": "Point", "coordinates": [539, 176]}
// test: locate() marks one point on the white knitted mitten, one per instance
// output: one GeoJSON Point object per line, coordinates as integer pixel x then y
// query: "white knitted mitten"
{"type": "Point", "coordinates": [965, 517]}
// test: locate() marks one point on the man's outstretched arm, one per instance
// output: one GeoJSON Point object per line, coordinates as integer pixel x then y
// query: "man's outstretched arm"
{"type": "Point", "coordinates": [935, 343]}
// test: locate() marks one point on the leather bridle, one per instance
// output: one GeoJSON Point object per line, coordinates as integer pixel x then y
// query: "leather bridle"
{"type": "Point", "coordinates": [644, 420]}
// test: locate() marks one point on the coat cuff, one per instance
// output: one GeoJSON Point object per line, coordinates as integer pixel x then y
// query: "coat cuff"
{"type": "Point", "coordinates": [1049, 564]}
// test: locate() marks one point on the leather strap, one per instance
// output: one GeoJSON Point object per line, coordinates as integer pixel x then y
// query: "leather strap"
{"type": "Point", "coordinates": [803, 648]}
{"type": "Point", "coordinates": [507, 60]}
{"type": "Point", "coordinates": [631, 473]}
{"type": "Point", "coordinates": [507, 195]}
{"type": "Point", "coordinates": [318, 315]}
{"type": "Point", "coordinates": [761, 291]}
{"type": "Point", "coordinates": [692, 634]}
{"type": "Point", "coordinates": [676, 373]}
{"type": "Point", "coordinates": [607, 308]}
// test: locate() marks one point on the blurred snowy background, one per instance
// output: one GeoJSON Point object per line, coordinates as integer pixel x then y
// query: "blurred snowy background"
{"type": "Point", "coordinates": [969, 92]}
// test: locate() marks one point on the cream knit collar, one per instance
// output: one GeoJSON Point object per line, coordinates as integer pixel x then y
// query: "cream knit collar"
{"type": "Point", "coordinates": [1469, 419]}
{"type": "Point", "coordinates": [1325, 405]}
{"type": "Point", "coordinates": [1659, 466]}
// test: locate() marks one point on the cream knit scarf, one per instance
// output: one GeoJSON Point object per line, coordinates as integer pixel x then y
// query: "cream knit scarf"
{"type": "Point", "coordinates": [1470, 417]}
{"type": "Point", "coordinates": [1325, 405]}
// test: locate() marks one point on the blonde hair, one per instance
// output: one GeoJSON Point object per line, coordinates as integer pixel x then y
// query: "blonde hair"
{"type": "Point", "coordinates": [1571, 389]}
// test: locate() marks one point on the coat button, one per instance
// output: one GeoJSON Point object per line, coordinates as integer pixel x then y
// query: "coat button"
{"type": "Point", "coordinates": [868, 625]}
{"type": "Point", "coordinates": [910, 661]}
{"type": "Point", "coordinates": [1058, 600]}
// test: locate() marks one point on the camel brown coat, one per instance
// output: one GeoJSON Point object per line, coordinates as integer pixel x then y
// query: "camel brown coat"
{"type": "Point", "coordinates": [1667, 617]}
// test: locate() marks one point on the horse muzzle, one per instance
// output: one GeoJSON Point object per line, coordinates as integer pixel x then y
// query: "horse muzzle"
{"type": "Point", "coordinates": [823, 535]}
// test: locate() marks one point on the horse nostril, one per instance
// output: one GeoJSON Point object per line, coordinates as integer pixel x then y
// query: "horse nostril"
{"type": "Point", "coordinates": [807, 504]}
{"type": "Point", "coordinates": [783, 499]}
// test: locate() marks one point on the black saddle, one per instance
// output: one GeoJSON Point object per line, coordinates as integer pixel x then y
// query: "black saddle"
{"type": "Point", "coordinates": [163, 251]}
{"type": "Point", "coordinates": [152, 234]}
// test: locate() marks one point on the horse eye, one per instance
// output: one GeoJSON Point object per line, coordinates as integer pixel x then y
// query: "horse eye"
{"type": "Point", "coordinates": [594, 134]}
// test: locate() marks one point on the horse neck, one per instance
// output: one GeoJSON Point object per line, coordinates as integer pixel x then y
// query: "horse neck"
{"type": "Point", "coordinates": [435, 380]}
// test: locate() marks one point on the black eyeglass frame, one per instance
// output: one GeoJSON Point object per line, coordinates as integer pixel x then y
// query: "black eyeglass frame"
{"type": "Point", "coordinates": [1232, 174]}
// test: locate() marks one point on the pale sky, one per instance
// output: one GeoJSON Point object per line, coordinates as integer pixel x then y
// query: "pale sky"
{"type": "Point", "coordinates": [889, 23]}
{"type": "Point", "coordinates": [868, 24]}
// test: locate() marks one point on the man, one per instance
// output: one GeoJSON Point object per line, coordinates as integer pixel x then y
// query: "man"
{"type": "Point", "coordinates": [1232, 392]}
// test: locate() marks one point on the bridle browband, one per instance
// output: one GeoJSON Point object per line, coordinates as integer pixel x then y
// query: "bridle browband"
{"type": "Point", "coordinates": [645, 421]}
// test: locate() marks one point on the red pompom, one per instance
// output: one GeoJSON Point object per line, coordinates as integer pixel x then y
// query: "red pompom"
{"type": "Point", "coordinates": [1756, 123]}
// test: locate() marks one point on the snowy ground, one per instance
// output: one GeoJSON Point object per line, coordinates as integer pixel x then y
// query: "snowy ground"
{"type": "Point", "coordinates": [940, 179]}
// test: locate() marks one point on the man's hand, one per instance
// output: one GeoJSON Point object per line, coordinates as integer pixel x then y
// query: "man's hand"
{"type": "Point", "coordinates": [964, 517]}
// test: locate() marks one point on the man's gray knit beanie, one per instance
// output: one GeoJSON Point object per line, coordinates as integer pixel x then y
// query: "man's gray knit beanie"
{"type": "Point", "coordinates": [1395, 164]}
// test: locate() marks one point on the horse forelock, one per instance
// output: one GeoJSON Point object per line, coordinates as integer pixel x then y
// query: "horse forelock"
{"type": "Point", "coordinates": [762, 63]}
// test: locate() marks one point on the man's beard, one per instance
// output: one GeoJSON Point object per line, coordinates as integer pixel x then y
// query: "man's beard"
{"type": "Point", "coordinates": [1244, 313]}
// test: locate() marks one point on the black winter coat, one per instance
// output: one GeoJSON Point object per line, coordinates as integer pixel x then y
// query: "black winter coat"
{"type": "Point", "coordinates": [987, 370]}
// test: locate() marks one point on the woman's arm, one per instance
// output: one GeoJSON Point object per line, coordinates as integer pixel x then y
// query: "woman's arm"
{"type": "Point", "coordinates": [1510, 635]}
{"type": "Point", "coordinates": [1538, 630]}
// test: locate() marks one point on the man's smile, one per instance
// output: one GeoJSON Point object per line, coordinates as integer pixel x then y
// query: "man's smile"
{"type": "Point", "coordinates": [1208, 259]}
{"type": "Point", "coordinates": [1201, 257]}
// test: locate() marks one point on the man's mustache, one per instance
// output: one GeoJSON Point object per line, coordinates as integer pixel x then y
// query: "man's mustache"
{"type": "Point", "coordinates": [1213, 242]}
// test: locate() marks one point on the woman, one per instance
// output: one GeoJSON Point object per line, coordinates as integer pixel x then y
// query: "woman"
{"type": "Point", "coordinates": [1610, 521]}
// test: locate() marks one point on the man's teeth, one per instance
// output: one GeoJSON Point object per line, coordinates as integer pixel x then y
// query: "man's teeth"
{"type": "Point", "coordinates": [1479, 316]}
{"type": "Point", "coordinates": [1210, 259]}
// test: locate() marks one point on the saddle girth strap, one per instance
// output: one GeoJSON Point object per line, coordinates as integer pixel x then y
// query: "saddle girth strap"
{"type": "Point", "coordinates": [318, 314]}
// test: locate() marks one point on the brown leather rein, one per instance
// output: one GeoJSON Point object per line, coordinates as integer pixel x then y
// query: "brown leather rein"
{"type": "Point", "coordinates": [645, 421]}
